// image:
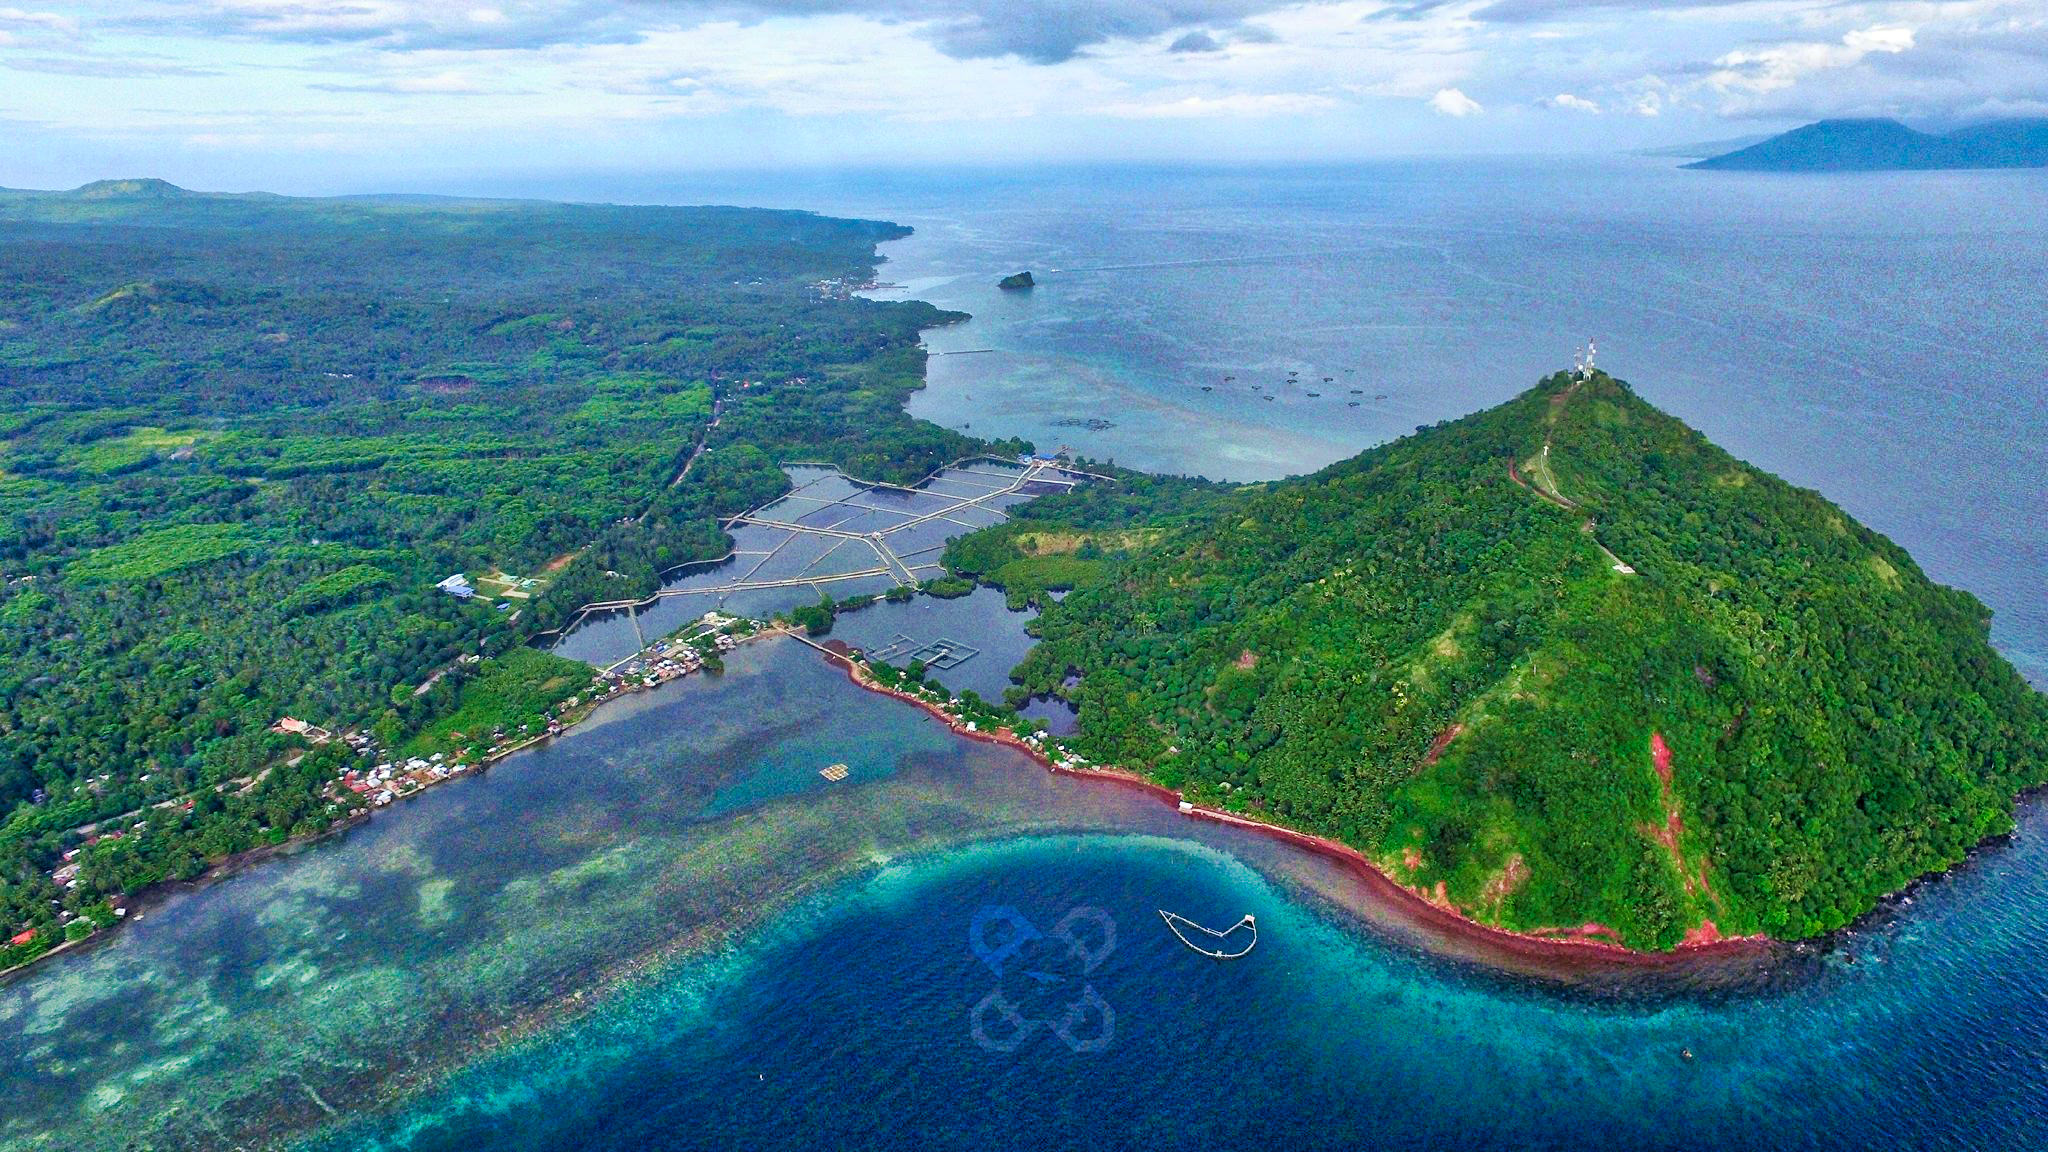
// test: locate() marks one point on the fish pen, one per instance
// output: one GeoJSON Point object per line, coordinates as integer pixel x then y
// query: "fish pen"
{"type": "Point", "coordinates": [1179, 924]}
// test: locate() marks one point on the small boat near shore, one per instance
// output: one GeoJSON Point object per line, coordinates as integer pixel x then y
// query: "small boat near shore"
{"type": "Point", "coordinates": [1211, 941]}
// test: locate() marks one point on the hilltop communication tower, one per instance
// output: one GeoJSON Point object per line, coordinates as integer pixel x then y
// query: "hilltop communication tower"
{"type": "Point", "coordinates": [1582, 366]}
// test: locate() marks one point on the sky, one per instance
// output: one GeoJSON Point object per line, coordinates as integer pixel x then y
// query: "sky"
{"type": "Point", "coordinates": [361, 95]}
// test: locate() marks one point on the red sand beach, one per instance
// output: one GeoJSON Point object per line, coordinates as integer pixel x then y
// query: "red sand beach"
{"type": "Point", "coordinates": [1567, 953]}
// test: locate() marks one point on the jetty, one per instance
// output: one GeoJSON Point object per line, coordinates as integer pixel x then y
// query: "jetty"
{"type": "Point", "coordinates": [1179, 924]}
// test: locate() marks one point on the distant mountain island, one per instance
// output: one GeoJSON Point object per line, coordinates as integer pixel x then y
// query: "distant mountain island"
{"type": "Point", "coordinates": [1887, 146]}
{"type": "Point", "coordinates": [148, 188]}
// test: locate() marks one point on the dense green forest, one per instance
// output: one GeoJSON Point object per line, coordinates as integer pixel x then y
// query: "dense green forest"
{"type": "Point", "coordinates": [244, 436]}
{"type": "Point", "coordinates": [1561, 663]}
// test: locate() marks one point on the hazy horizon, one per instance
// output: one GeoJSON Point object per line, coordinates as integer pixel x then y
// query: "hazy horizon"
{"type": "Point", "coordinates": [324, 95]}
{"type": "Point", "coordinates": [648, 185]}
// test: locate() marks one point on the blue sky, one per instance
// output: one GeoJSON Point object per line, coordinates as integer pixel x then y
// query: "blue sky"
{"type": "Point", "coordinates": [335, 95]}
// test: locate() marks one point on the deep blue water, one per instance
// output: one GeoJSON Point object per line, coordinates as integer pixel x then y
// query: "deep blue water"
{"type": "Point", "coordinates": [1880, 338]}
{"type": "Point", "coordinates": [852, 1024]}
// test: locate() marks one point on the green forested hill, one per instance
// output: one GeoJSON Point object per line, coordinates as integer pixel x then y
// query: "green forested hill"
{"type": "Point", "coordinates": [241, 438]}
{"type": "Point", "coordinates": [1462, 652]}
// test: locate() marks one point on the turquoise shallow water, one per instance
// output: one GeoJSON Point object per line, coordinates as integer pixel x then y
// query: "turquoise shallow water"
{"type": "Point", "coordinates": [672, 821]}
{"type": "Point", "coordinates": [1869, 337]}
{"type": "Point", "coordinates": [696, 942]}
{"type": "Point", "coordinates": [852, 1023]}
{"type": "Point", "coordinates": [666, 931]}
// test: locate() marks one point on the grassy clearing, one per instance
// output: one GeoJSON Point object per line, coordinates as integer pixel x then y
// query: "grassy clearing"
{"type": "Point", "coordinates": [503, 585]}
{"type": "Point", "coordinates": [117, 454]}
{"type": "Point", "coordinates": [161, 552]}
{"type": "Point", "coordinates": [627, 398]}
{"type": "Point", "coordinates": [1052, 543]}
{"type": "Point", "coordinates": [501, 694]}
{"type": "Point", "coordinates": [1027, 561]}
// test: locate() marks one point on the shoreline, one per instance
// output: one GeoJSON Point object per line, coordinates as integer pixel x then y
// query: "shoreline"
{"type": "Point", "coordinates": [1445, 929]}
{"type": "Point", "coordinates": [144, 900]}
{"type": "Point", "coordinates": [1438, 928]}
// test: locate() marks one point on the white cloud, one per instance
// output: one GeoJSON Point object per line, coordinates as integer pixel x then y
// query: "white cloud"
{"type": "Point", "coordinates": [1451, 102]}
{"type": "Point", "coordinates": [20, 28]}
{"type": "Point", "coordinates": [439, 80]}
{"type": "Point", "coordinates": [42, 21]}
{"type": "Point", "coordinates": [1783, 65]}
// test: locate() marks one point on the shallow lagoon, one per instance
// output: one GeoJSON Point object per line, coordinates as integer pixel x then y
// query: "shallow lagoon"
{"type": "Point", "coordinates": [670, 933]}
{"type": "Point", "coordinates": [332, 978]}
{"type": "Point", "coordinates": [851, 1023]}
{"type": "Point", "coordinates": [667, 931]}
{"type": "Point", "coordinates": [493, 906]}
{"type": "Point", "coordinates": [980, 620]}
{"type": "Point", "coordinates": [776, 566]}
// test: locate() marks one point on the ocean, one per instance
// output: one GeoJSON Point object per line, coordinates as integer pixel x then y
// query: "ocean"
{"type": "Point", "coordinates": [1880, 338]}
{"type": "Point", "coordinates": [667, 931]}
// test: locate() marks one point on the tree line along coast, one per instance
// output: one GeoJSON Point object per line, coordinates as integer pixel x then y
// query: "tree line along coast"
{"type": "Point", "coordinates": [247, 436]}
{"type": "Point", "coordinates": [1658, 696]}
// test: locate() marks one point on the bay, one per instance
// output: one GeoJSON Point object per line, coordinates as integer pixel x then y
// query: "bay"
{"type": "Point", "coordinates": [667, 931]}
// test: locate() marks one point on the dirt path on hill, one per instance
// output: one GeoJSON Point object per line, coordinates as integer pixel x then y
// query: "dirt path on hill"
{"type": "Point", "coordinates": [1543, 482]}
